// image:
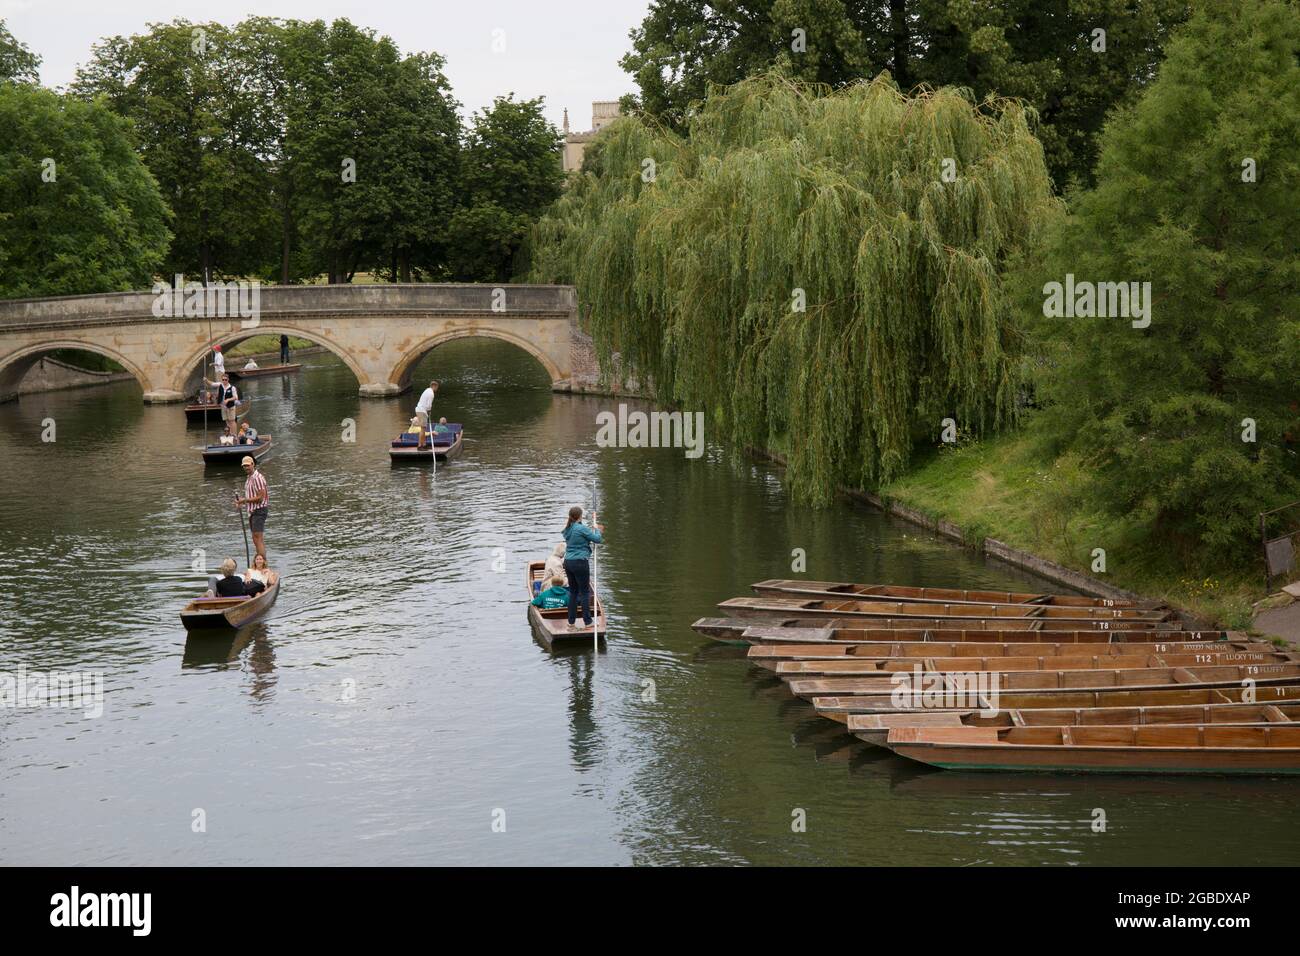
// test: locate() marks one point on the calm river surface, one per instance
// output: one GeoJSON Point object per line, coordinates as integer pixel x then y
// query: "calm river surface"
{"type": "Point", "coordinates": [404, 591]}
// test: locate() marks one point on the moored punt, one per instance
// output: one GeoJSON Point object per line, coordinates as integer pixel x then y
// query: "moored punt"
{"type": "Point", "coordinates": [890, 656]}
{"type": "Point", "coordinates": [973, 687]}
{"type": "Point", "coordinates": [867, 667]}
{"type": "Point", "coordinates": [234, 454]}
{"type": "Point", "coordinates": [875, 728]}
{"type": "Point", "coordinates": [1273, 749]}
{"type": "Point", "coordinates": [735, 630]}
{"type": "Point", "coordinates": [780, 587]}
{"type": "Point", "coordinates": [1080, 618]}
{"type": "Point", "coordinates": [443, 446]}
{"type": "Point", "coordinates": [793, 611]}
{"type": "Point", "coordinates": [225, 613]}
{"type": "Point", "coordinates": [196, 411]}
{"type": "Point", "coordinates": [552, 626]}
{"type": "Point", "coordinates": [1270, 690]}
{"type": "Point", "coordinates": [264, 370]}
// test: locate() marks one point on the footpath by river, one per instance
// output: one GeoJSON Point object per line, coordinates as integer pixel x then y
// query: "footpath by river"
{"type": "Point", "coordinates": [395, 705]}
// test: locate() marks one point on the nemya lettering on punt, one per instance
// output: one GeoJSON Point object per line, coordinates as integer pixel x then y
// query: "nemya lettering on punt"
{"type": "Point", "coordinates": [103, 909]}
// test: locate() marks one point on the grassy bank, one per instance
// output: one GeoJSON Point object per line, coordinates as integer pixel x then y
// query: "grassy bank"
{"type": "Point", "coordinates": [1010, 488]}
{"type": "Point", "coordinates": [266, 343]}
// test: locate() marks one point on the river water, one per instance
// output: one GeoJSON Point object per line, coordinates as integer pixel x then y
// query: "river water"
{"type": "Point", "coordinates": [394, 707]}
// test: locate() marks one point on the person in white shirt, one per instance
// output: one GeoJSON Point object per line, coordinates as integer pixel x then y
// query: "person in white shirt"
{"type": "Point", "coordinates": [424, 407]}
{"type": "Point", "coordinates": [218, 363]}
{"type": "Point", "coordinates": [250, 364]}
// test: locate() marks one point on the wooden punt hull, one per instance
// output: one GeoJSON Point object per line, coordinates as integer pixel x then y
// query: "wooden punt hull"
{"type": "Point", "coordinates": [1270, 690]}
{"type": "Point", "coordinates": [234, 454]}
{"type": "Point", "coordinates": [1192, 750]}
{"type": "Point", "coordinates": [973, 685]}
{"type": "Point", "coordinates": [779, 587]}
{"type": "Point", "coordinates": [265, 370]}
{"type": "Point", "coordinates": [228, 613]}
{"type": "Point", "coordinates": [1072, 618]}
{"type": "Point", "coordinates": [196, 412]}
{"type": "Point", "coordinates": [552, 626]}
{"type": "Point", "coordinates": [739, 631]}
{"type": "Point", "coordinates": [441, 452]}
{"type": "Point", "coordinates": [1008, 667]}
{"type": "Point", "coordinates": [790, 667]}
{"type": "Point", "coordinates": [875, 728]}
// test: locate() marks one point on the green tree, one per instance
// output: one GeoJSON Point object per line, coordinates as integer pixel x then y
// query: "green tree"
{"type": "Point", "coordinates": [1043, 51]}
{"type": "Point", "coordinates": [809, 268]}
{"type": "Point", "coordinates": [511, 171]}
{"type": "Point", "coordinates": [79, 212]}
{"type": "Point", "coordinates": [18, 64]}
{"type": "Point", "coordinates": [1196, 194]}
{"type": "Point", "coordinates": [197, 117]}
{"type": "Point", "coordinates": [371, 148]}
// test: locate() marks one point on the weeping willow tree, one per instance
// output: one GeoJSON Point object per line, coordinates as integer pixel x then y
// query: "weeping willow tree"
{"type": "Point", "coordinates": [820, 270]}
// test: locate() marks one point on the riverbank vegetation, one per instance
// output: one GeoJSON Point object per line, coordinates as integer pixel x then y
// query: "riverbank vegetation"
{"type": "Point", "coordinates": [921, 236]}
{"type": "Point", "coordinates": [281, 150]}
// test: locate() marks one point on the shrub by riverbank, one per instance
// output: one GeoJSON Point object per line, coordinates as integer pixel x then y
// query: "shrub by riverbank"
{"type": "Point", "coordinates": [1012, 488]}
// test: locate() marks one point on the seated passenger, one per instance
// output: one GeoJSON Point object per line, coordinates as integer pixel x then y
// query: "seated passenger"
{"type": "Point", "coordinates": [250, 364]}
{"type": "Point", "coordinates": [556, 596]}
{"type": "Point", "coordinates": [555, 564]}
{"type": "Point", "coordinates": [227, 438]}
{"type": "Point", "coordinates": [247, 435]}
{"type": "Point", "coordinates": [441, 428]}
{"type": "Point", "coordinates": [259, 573]}
{"type": "Point", "coordinates": [416, 428]}
{"type": "Point", "coordinates": [232, 585]}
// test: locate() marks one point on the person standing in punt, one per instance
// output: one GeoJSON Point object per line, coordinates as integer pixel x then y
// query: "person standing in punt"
{"type": "Point", "coordinates": [256, 499]}
{"type": "Point", "coordinates": [578, 539]}
{"type": "Point", "coordinates": [284, 350]}
{"type": "Point", "coordinates": [424, 407]}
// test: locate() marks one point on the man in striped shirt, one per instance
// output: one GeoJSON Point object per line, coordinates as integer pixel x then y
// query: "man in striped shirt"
{"type": "Point", "coordinates": [255, 500]}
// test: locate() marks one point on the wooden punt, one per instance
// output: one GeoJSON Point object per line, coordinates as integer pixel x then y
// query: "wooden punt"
{"type": "Point", "coordinates": [1268, 690]}
{"type": "Point", "coordinates": [1273, 749]}
{"type": "Point", "coordinates": [403, 448]}
{"type": "Point", "coordinates": [552, 626]}
{"type": "Point", "coordinates": [890, 656]}
{"type": "Point", "coordinates": [225, 613]}
{"type": "Point", "coordinates": [1081, 617]}
{"type": "Point", "coordinates": [875, 728]}
{"type": "Point", "coordinates": [234, 454]}
{"type": "Point", "coordinates": [264, 370]}
{"type": "Point", "coordinates": [971, 685]}
{"type": "Point", "coordinates": [886, 667]}
{"type": "Point", "coordinates": [196, 411]}
{"type": "Point", "coordinates": [740, 631]}
{"type": "Point", "coordinates": [780, 587]}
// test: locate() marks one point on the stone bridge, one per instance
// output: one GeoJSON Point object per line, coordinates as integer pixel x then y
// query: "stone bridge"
{"type": "Point", "coordinates": [379, 331]}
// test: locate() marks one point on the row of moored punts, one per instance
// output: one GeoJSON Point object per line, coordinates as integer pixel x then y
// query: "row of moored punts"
{"type": "Point", "coordinates": [993, 680]}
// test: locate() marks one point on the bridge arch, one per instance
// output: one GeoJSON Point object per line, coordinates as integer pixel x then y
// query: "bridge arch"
{"type": "Point", "coordinates": [194, 361]}
{"type": "Point", "coordinates": [13, 368]}
{"type": "Point", "coordinates": [401, 373]}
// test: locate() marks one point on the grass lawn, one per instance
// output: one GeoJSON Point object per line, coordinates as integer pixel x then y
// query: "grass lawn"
{"type": "Point", "coordinates": [1010, 488]}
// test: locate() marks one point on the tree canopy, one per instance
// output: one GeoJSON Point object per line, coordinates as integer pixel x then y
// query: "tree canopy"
{"type": "Point", "coordinates": [1043, 51]}
{"type": "Point", "coordinates": [1193, 419]}
{"type": "Point", "coordinates": [79, 212]}
{"type": "Point", "coordinates": [810, 265]}
{"type": "Point", "coordinates": [18, 64]}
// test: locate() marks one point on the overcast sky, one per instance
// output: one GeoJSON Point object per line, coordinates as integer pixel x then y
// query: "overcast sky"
{"type": "Point", "coordinates": [564, 50]}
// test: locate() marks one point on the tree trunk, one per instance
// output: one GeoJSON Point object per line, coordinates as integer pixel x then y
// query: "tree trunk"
{"type": "Point", "coordinates": [899, 30]}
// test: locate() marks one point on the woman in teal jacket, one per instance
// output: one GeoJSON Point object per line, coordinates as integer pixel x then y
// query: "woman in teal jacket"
{"type": "Point", "coordinates": [578, 539]}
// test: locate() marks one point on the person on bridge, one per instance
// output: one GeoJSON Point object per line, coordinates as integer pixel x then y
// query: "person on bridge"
{"type": "Point", "coordinates": [424, 407]}
{"type": "Point", "coordinates": [256, 500]}
{"type": "Point", "coordinates": [579, 538]}
{"type": "Point", "coordinates": [284, 350]}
